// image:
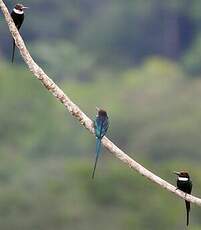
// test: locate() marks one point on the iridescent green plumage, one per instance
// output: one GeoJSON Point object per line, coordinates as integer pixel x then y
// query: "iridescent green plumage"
{"type": "Point", "coordinates": [100, 125]}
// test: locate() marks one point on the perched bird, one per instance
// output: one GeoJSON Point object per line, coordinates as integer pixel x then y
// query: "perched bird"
{"type": "Point", "coordinates": [17, 15]}
{"type": "Point", "coordinates": [100, 125]}
{"type": "Point", "coordinates": [184, 184]}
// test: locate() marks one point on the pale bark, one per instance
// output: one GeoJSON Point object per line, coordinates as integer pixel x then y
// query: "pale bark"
{"type": "Point", "coordinates": [81, 117]}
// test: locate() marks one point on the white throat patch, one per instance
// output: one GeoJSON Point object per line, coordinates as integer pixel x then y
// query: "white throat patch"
{"type": "Point", "coordinates": [18, 11]}
{"type": "Point", "coordinates": [182, 178]}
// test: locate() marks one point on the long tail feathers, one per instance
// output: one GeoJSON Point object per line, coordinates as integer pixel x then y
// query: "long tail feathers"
{"type": "Point", "coordinates": [98, 145]}
{"type": "Point", "coordinates": [187, 211]}
{"type": "Point", "coordinates": [13, 52]}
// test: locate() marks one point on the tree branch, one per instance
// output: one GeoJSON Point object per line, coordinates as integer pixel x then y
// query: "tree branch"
{"type": "Point", "coordinates": [81, 117]}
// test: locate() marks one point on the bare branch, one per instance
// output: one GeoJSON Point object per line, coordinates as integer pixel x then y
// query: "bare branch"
{"type": "Point", "coordinates": [81, 117]}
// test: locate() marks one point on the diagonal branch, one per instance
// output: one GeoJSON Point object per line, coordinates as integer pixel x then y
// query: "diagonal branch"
{"type": "Point", "coordinates": [81, 117]}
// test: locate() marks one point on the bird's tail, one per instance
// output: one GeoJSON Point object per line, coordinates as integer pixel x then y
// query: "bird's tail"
{"type": "Point", "coordinates": [98, 145]}
{"type": "Point", "coordinates": [188, 207]}
{"type": "Point", "coordinates": [13, 52]}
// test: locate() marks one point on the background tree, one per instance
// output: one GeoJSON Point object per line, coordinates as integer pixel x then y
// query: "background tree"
{"type": "Point", "coordinates": [40, 163]}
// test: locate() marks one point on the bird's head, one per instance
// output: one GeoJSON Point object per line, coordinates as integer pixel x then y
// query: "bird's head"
{"type": "Point", "coordinates": [20, 7]}
{"type": "Point", "coordinates": [183, 175]}
{"type": "Point", "coordinates": [101, 112]}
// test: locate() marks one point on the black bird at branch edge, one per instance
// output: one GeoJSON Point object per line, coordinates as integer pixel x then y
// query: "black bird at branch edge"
{"type": "Point", "coordinates": [184, 184]}
{"type": "Point", "coordinates": [17, 15]}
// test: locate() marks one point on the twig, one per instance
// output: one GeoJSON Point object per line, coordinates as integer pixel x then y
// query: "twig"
{"type": "Point", "coordinates": [81, 117]}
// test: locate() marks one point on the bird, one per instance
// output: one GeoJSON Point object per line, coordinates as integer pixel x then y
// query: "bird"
{"type": "Point", "coordinates": [184, 184]}
{"type": "Point", "coordinates": [17, 15]}
{"type": "Point", "coordinates": [101, 125]}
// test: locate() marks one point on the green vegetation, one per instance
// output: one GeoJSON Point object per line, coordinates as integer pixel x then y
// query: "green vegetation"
{"type": "Point", "coordinates": [114, 33]}
{"type": "Point", "coordinates": [46, 158]}
{"type": "Point", "coordinates": [140, 60]}
{"type": "Point", "coordinates": [58, 193]}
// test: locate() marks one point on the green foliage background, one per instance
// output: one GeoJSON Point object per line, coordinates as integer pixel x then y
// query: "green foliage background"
{"type": "Point", "coordinates": [140, 61]}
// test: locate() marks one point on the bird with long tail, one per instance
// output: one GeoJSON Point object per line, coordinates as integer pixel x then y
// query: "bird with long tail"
{"type": "Point", "coordinates": [101, 124]}
{"type": "Point", "coordinates": [17, 15]}
{"type": "Point", "coordinates": [184, 184]}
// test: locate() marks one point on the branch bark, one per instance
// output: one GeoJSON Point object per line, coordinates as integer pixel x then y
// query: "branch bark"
{"type": "Point", "coordinates": [81, 117]}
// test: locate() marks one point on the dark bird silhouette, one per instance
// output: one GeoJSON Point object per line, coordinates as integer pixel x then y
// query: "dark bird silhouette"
{"type": "Point", "coordinates": [17, 15]}
{"type": "Point", "coordinates": [100, 125]}
{"type": "Point", "coordinates": [184, 184]}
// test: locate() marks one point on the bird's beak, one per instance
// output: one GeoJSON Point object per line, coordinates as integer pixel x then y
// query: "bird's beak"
{"type": "Point", "coordinates": [97, 109]}
{"type": "Point", "coordinates": [177, 173]}
{"type": "Point", "coordinates": [25, 7]}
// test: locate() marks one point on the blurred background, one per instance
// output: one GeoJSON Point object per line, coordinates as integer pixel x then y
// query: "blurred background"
{"type": "Point", "coordinates": [141, 61]}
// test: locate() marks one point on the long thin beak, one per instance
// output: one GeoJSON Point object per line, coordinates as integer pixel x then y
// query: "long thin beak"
{"type": "Point", "coordinates": [25, 7]}
{"type": "Point", "coordinates": [97, 109]}
{"type": "Point", "coordinates": [177, 173]}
